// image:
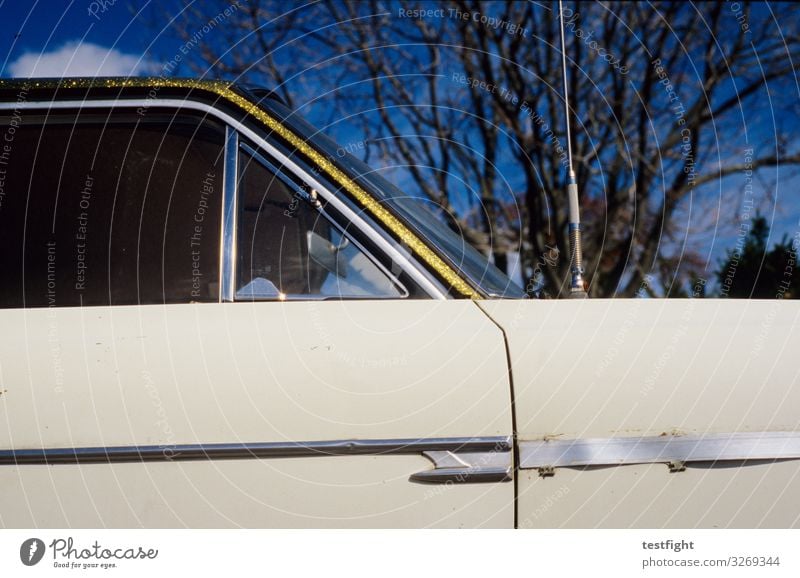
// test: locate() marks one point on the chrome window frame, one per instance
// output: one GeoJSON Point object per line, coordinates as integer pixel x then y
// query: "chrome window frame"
{"type": "Point", "coordinates": [393, 250]}
{"type": "Point", "coordinates": [229, 219]}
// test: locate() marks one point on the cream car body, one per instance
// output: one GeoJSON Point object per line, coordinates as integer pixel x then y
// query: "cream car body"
{"type": "Point", "coordinates": [435, 406]}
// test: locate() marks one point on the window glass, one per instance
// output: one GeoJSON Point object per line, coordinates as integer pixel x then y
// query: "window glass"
{"type": "Point", "coordinates": [288, 248]}
{"type": "Point", "coordinates": [414, 211]}
{"type": "Point", "coordinates": [110, 209]}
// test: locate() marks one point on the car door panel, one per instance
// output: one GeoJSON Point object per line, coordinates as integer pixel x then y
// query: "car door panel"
{"type": "Point", "coordinates": [166, 377]}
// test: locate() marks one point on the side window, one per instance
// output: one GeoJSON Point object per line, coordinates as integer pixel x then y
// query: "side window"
{"type": "Point", "coordinates": [107, 208]}
{"type": "Point", "coordinates": [287, 247]}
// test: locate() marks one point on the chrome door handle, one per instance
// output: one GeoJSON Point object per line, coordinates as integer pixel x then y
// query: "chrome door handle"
{"type": "Point", "coordinates": [467, 467]}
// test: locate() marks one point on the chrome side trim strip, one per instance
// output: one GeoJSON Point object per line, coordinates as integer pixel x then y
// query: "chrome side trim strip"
{"type": "Point", "coordinates": [229, 217]}
{"type": "Point", "coordinates": [177, 452]}
{"type": "Point", "coordinates": [396, 253]}
{"type": "Point", "coordinates": [672, 450]}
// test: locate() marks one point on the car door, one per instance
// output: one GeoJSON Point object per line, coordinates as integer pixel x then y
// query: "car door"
{"type": "Point", "coordinates": [655, 413]}
{"type": "Point", "coordinates": [192, 336]}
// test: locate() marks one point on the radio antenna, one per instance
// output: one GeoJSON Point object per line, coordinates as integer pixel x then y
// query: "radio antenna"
{"type": "Point", "coordinates": [576, 249]}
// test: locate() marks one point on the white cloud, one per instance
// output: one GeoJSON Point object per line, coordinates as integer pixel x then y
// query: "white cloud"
{"type": "Point", "coordinates": [80, 59]}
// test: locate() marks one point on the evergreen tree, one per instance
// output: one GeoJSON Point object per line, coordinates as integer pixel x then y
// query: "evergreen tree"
{"type": "Point", "coordinates": [751, 271]}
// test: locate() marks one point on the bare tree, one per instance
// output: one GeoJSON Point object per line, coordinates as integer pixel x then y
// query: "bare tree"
{"type": "Point", "coordinates": [461, 102]}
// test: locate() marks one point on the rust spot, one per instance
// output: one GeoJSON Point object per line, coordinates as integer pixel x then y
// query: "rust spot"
{"type": "Point", "coordinates": [547, 472]}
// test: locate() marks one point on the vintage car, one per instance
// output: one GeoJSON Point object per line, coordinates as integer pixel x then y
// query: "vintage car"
{"type": "Point", "coordinates": [212, 315]}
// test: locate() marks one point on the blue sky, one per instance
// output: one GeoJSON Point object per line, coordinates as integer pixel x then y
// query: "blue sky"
{"type": "Point", "coordinates": [82, 37]}
{"type": "Point", "coordinates": [109, 37]}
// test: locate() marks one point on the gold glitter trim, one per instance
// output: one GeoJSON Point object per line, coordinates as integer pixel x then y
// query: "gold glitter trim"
{"type": "Point", "coordinates": [225, 91]}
